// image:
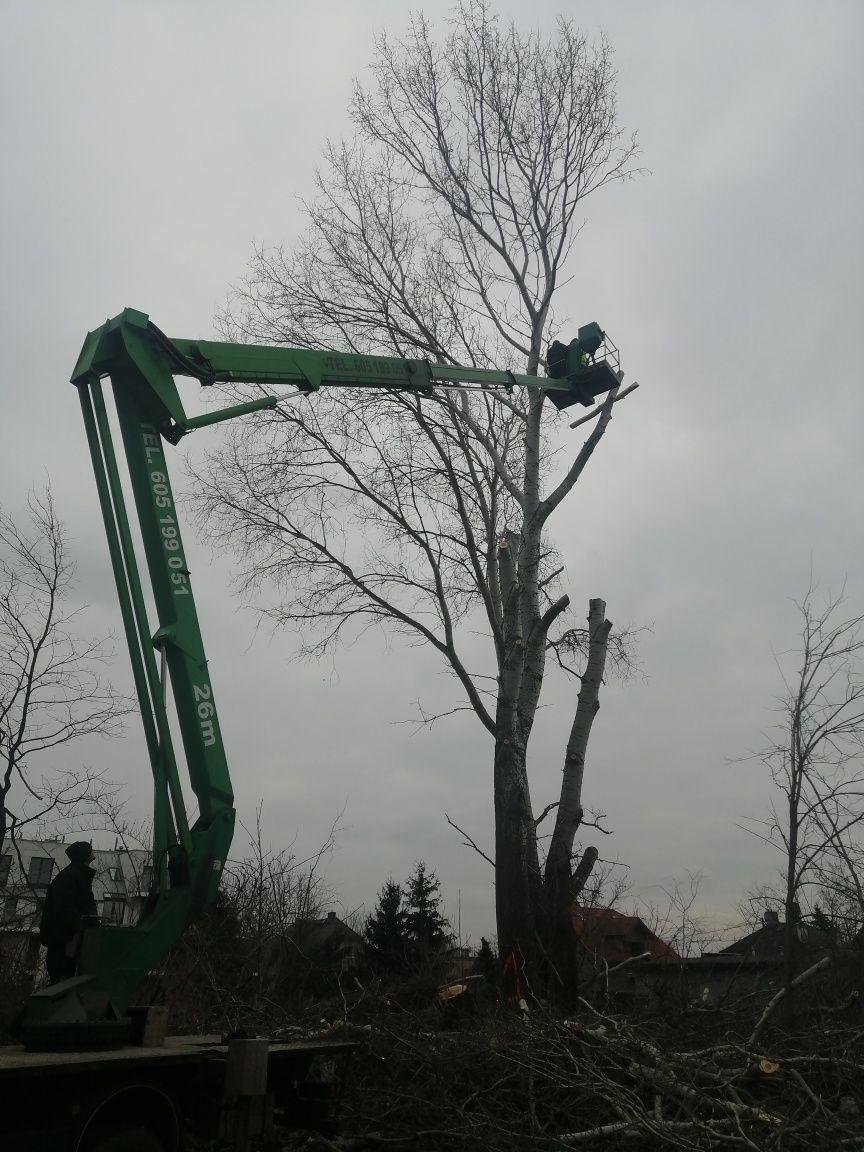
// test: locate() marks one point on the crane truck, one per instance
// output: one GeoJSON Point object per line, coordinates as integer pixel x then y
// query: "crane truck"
{"type": "Point", "coordinates": [88, 1077]}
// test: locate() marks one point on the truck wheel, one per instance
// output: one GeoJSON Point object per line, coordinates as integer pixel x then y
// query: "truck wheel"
{"type": "Point", "coordinates": [132, 1118]}
{"type": "Point", "coordinates": [129, 1140]}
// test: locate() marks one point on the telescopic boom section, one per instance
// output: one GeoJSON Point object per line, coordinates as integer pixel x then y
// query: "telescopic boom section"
{"type": "Point", "coordinates": [141, 364]}
{"type": "Point", "coordinates": [590, 369]}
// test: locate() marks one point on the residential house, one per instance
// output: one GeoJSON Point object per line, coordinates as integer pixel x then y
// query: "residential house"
{"type": "Point", "coordinates": [622, 956]}
{"type": "Point", "coordinates": [752, 964]}
{"type": "Point", "coordinates": [610, 937]}
{"type": "Point", "coordinates": [755, 962]}
{"type": "Point", "coordinates": [328, 941]}
{"type": "Point", "coordinates": [766, 943]}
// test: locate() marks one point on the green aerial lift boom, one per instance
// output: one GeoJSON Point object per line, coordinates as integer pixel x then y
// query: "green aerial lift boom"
{"type": "Point", "coordinates": [141, 363]}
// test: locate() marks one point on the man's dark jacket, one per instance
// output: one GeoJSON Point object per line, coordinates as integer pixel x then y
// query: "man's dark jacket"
{"type": "Point", "coordinates": [68, 899]}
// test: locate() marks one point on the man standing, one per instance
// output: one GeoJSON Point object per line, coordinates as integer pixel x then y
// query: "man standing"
{"type": "Point", "coordinates": [68, 900]}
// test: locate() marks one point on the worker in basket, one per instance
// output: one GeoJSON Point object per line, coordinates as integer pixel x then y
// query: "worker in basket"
{"type": "Point", "coordinates": [69, 904]}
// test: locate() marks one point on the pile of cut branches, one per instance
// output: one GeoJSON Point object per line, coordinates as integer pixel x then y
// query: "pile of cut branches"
{"type": "Point", "coordinates": [605, 1081]}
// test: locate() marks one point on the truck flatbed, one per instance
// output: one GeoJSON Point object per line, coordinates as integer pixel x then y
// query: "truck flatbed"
{"type": "Point", "coordinates": [88, 1100]}
{"type": "Point", "coordinates": [176, 1050]}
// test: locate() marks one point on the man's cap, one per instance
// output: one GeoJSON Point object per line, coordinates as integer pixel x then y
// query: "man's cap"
{"type": "Point", "coordinates": [80, 852]}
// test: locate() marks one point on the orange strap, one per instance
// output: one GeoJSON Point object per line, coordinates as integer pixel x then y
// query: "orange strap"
{"type": "Point", "coordinates": [510, 968]}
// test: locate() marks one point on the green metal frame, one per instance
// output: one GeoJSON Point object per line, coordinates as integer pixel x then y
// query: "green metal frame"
{"type": "Point", "coordinates": [188, 858]}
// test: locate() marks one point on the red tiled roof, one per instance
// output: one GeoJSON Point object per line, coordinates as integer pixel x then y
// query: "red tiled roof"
{"type": "Point", "coordinates": [614, 937]}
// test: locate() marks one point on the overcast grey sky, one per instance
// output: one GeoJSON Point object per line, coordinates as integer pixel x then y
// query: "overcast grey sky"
{"type": "Point", "coordinates": [147, 145]}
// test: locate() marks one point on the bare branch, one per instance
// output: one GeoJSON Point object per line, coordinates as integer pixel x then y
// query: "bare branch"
{"type": "Point", "coordinates": [469, 843]}
{"type": "Point", "coordinates": [595, 412]}
{"type": "Point", "coordinates": [780, 994]}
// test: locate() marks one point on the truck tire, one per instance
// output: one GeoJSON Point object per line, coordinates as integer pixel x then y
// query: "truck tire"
{"type": "Point", "coordinates": [132, 1118]}
{"type": "Point", "coordinates": [129, 1140]}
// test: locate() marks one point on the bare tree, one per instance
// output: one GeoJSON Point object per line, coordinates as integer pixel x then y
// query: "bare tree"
{"type": "Point", "coordinates": [816, 763]}
{"type": "Point", "coordinates": [272, 894]}
{"type": "Point", "coordinates": [247, 957]}
{"type": "Point", "coordinates": [440, 231]}
{"type": "Point", "coordinates": [51, 688]}
{"type": "Point", "coordinates": [839, 899]}
{"type": "Point", "coordinates": [672, 917]}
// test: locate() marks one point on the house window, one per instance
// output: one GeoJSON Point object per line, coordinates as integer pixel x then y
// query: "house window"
{"type": "Point", "coordinates": [10, 905]}
{"type": "Point", "coordinates": [5, 867]}
{"type": "Point", "coordinates": [39, 872]}
{"type": "Point", "coordinates": [147, 878]}
{"type": "Point", "coordinates": [113, 908]}
{"type": "Point", "coordinates": [115, 875]}
{"type": "Point", "coordinates": [27, 908]}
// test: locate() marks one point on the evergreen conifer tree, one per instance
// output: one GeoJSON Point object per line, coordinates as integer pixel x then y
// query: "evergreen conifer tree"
{"type": "Point", "coordinates": [486, 958]}
{"type": "Point", "coordinates": [428, 931]}
{"type": "Point", "coordinates": [386, 929]}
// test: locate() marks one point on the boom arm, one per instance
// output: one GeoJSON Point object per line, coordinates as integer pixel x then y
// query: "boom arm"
{"type": "Point", "coordinates": [141, 363]}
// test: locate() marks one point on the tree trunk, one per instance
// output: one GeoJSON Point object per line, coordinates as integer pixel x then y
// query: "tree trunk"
{"type": "Point", "coordinates": [791, 911]}
{"type": "Point", "coordinates": [562, 886]}
{"type": "Point", "coordinates": [516, 862]}
{"type": "Point", "coordinates": [517, 868]}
